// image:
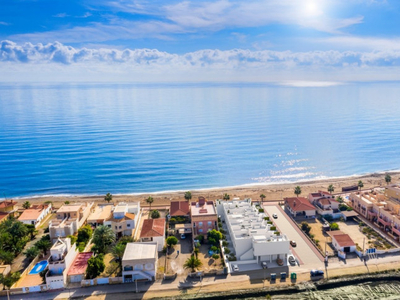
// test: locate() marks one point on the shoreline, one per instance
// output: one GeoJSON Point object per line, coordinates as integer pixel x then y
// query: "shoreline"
{"type": "Point", "coordinates": [272, 191]}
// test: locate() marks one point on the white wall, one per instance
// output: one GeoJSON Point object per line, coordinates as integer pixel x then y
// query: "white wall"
{"type": "Point", "coordinates": [270, 248]}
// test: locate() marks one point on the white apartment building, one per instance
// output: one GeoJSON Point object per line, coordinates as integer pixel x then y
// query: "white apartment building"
{"type": "Point", "coordinates": [124, 218]}
{"type": "Point", "coordinates": [253, 239]}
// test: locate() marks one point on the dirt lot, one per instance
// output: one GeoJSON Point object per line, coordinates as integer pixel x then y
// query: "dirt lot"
{"type": "Point", "coordinates": [208, 262]}
{"type": "Point", "coordinates": [175, 261]}
{"type": "Point", "coordinates": [322, 237]}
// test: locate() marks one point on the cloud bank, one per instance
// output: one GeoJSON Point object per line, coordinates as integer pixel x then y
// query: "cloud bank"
{"type": "Point", "coordinates": [18, 60]}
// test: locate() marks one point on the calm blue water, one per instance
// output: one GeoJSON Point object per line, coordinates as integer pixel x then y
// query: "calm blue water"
{"type": "Point", "coordinates": [93, 139]}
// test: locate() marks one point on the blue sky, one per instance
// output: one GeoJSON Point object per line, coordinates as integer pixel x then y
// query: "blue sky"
{"type": "Point", "coordinates": [218, 38]}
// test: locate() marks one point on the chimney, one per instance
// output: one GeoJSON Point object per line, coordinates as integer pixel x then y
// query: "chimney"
{"type": "Point", "coordinates": [294, 203]}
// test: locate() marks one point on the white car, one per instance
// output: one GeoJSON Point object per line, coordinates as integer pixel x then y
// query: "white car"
{"type": "Point", "coordinates": [275, 216]}
{"type": "Point", "coordinates": [235, 268]}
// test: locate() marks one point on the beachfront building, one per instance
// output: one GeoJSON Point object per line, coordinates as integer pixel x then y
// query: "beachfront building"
{"type": "Point", "coordinates": [153, 231]}
{"type": "Point", "coordinates": [393, 192]}
{"type": "Point", "coordinates": [253, 237]}
{"type": "Point", "coordinates": [77, 271]}
{"type": "Point", "coordinates": [69, 219]}
{"type": "Point", "coordinates": [100, 214]}
{"type": "Point", "coordinates": [124, 219]}
{"type": "Point", "coordinates": [139, 262]}
{"type": "Point", "coordinates": [62, 254]}
{"type": "Point", "coordinates": [342, 242]}
{"type": "Point", "coordinates": [204, 217]}
{"type": "Point", "coordinates": [325, 204]}
{"type": "Point", "coordinates": [300, 207]}
{"type": "Point", "coordinates": [35, 214]}
{"type": "Point", "coordinates": [7, 208]}
{"type": "Point", "coordinates": [180, 209]}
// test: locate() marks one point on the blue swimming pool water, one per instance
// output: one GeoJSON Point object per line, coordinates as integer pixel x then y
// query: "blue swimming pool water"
{"type": "Point", "coordinates": [39, 267]}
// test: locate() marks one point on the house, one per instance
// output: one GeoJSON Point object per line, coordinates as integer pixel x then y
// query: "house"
{"type": "Point", "coordinates": [139, 262]}
{"type": "Point", "coordinates": [321, 194]}
{"type": "Point", "coordinates": [204, 217]}
{"type": "Point", "coordinates": [153, 230]}
{"type": "Point", "coordinates": [4, 270]}
{"type": "Point", "coordinates": [253, 238]}
{"type": "Point", "coordinates": [9, 207]}
{"type": "Point", "coordinates": [124, 218]}
{"type": "Point", "coordinates": [35, 214]}
{"type": "Point", "coordinates": [392, 191]}
{"type": "Point", "coordinates": [328, 206]}
{"type": "Point", "coordinates": [300, 206]}
{"type": "Point", "coordinates": [62, 254]}
{"type": "Point", "coordinates": [69, 219]}
{"type": "Point", "coordinates": [342, 242]}
{"type": "Point", "coordinates": [100, 214]}
{"type": "Point", "coordinates": [77, 271]}
{"type": "Point", "coordinates": [3, 216]}
{"type": "Point", "coordinates": [179, 209]}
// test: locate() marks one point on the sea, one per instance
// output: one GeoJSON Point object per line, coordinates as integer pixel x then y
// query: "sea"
{"type": "Point", "coordinates": [90, 139]}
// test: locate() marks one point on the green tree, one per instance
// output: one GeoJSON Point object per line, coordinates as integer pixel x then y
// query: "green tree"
{"type": "Point", "coordinates": [102, 237]}
{"type": "Point", "coordinates": [155, 214]}
{"type": "Point", "coordinates": [215, 236]}
{"type": "Point", "coordinates": [43, 245]}
{"type": "Point", "coordinates": [149, 200]}
{"type": "Point", "coordinates": [331, 188]}
{"type": "Point", "coordinates": [84, 234]}
{"type": "Point", "coordinates": [388, 178]}
{"type": "Point", "coordinates": [31, 253]}
{"type": "Point", "coordinates": [43, 275]}
{"type": "Point", "coordinates": [108, 197]}
{"type": "Point", "coordinates": [73, 239]}
{"type": "Point", "coordinates": [26, 204]}
{"type": "Point", "coordinates": [13, 235]}
{"type": "Point", "coordinates": [226, 197]}
{"type": "Point", "coordinates": [188, 196]}
{"type": "Point", "coordinates": [125, 240]}
{"type": "Point", "coordinates": [262, 197]}
{"type": "Point", "coordinates": [6, 257]}
{"type": "Point", "coordinates": [360, 184]}
{"type": "Point", "coordinates": [196, 252]}
{"type": "Point", "coordinates": [340, 199]}
{"type": "Point", "coordinates": [334, 226]}
{"type": "Point", "coordinates": [118, 252]}
{"type": "Point", "coordinates": [66, 202]}
{"type": "Point", "coordinates": [297, 190]}
{"type": "Point", "coordinates": [95, 266]}
{"type": "Point", "coordinates": [192, 263]}
{"type": "Point", "coordinates": [31, 230]}
{"type": "Point", "coordinates": [171, 241]}
{"type": "Point", "coordinates": [305, 227]}
{"type": "Point", "coordinates": [9, 279]}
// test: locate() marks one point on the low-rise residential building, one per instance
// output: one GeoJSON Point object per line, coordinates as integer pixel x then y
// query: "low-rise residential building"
{"type": "Point", "coordinates": [124, 218]}
{"type": "Point", "coordinates": [204, 217]}
{"type": "Point", "coordinates": [321, 194]}
{"type": "Point", "coordinates": [300, 206]}
{"type": "Point", "coordinates": [69, 219]}
{"type": "Point", "coordinates": [253, 237]}
{"type": "Point", "coordinates": [139, 261]}
{"type": "Point", "coordinates": [35, 214]}
{"type": "Point", "coordinates": [393, 191]}
{"type": "Point", "coordinates": [62, 254]}
{"type": "Point", "coordinates": [3, 216]}
{"type": "Point", "coordinates": [342, 242]}
{"type": "Point", "coordinates": [180, 209]}
{"type": "Point", "coordinates": [100, 214]}
{"type": "Point", "coordinates": [9, 207]}
{"type": "Point", "coordinates": [77, 271]}
{"type": "Point", "coordinates": [153, 230]}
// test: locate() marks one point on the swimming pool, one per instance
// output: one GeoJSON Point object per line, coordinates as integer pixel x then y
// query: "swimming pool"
{"type": "Point", "coordinates": [39, 267]}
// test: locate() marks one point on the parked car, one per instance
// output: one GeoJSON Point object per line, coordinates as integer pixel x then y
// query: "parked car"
{"type": "Point", "coordinates": [293, 243]}
{"type": "Point", "coordinates": [235, 268]}
{"type": "Point", "coordinates": [264, 265]}
{"type": "Point", "coordinates": [275, 216]}
{"type": "Point", "coordinates": [316, 274]}
{"type": "Point", "coordinates": [292, 260]}
{"type": "Point", "coordinates": [183, 236]}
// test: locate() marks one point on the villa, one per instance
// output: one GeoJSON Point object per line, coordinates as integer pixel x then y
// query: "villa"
{"type": "Point", "coordinates": [153, 231]}
{"type": "Point", "coordinates": [124, 218]}
{"type": "Point", "coordinates": [252, 235]}
{"type": "Point", "coordinates": [325, 204]}
{"type": "Point", "coordinates": [300, 206]}
{"type": "Point", "coordinates": [100, 214]}
{"type": "Point", "coordinates": [139, 262]}
{"type": "Point", "coordinates": [35, 214]}
{"type": "Point", "coordinates": [204, 217]}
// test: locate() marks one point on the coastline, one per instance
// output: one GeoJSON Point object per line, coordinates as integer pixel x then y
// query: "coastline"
{"type": "Point", "coordinates": [273, 191]}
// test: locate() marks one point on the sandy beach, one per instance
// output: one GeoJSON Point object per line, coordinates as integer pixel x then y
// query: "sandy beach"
{"type": "Point", "coordinates": [273, 192]}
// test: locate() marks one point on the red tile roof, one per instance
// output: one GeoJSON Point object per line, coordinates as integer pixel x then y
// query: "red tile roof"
{"type": "Point", "coordinates": [80, 263]}
{"type": "Point", "coordinates": [30, 214]}
{"type": "Point", "coordinates": [299, 204]}
{"type": "Point", "coordinates": [344, 240]}
{"type": "Point", "coordinates": [153, 228]}
{"type": "Point", "coordinates": [325, 201]}
{"type": "Point", "coordinates": [7, 203]}
{"type": "Point", "coordinates": [3, 215]}
{"type": "Point", "coordinates": [179, 208]}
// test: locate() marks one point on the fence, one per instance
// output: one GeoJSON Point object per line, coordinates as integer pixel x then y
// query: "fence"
{"type": "Point", "coordinates": [100, 281]}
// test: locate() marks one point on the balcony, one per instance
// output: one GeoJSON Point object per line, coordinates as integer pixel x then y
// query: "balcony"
{"type": "Point", "coordinates": [385, 223]}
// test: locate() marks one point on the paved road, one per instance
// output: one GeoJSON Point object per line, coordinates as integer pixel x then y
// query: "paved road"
{"type": "Point", "coordinates": [304, 251]}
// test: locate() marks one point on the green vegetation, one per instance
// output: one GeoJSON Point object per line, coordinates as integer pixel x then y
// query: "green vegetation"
{"type": "Point", "coordinates": [84, 235]}
{"type": "Point", "coordinates": [103, 236]}
{"type": "Point", "coordinates": [26, 204]}
{"type": "Point", "coordinates": [339, 199]}
{"type": "Point", "coordinates": [262, 197]}
{"type": "Point", "coordinates": [13, 237]}
{"type": "Point", "coordinates": [331, 189]}
{"type": "Point", "coordinates": [31, 253]}
{"type": "Point", "coordinates": [171, 241]}
{"type": "Point", "coordinates": [73, 239]}
{"type": "Point", "coordinates": [226, 197]}
{"type": "Point", "coordinates": [44, 244]}
{"type": "Point", "coordinates": [196, 251]}
{"type": "Point", "coordinates": [261, 210]}
{"type": "Point", "coordinates": [214, 248]}
{"type": "Point", "coordinates": [343, 207]}
{"type": "Point", "coordinates": [192, 263]}
{"type": "Point", "coordinates": [214, 237]}
{"type": "Point", "coordinates": [155, 214]}
{"type": "Point", "coordinates": [95, 266]}
{"type": "Point", "coordinates": [360, 184]}
{"type": "Point", "coordinates": [388, 178]}
{"type": "Point", "coordinates": [177, 220]}
{"type": "Point", "coordinates": [334, 226]}
{"type": "Point", "coordinates": [215, 256]}
{"type": "Point", "coordinates": [32, 231]}
{"type": "Point", "coordinates": [9, 279]}
{"type": "Point", "coordinates": [188, 196]}
{"type": "Point", "coordinates": [225, 244]}
{"type": "Point", "coordinates": [66, 202]}
{"type": "Point", "coordinates": [297, 190]}
{"type": "Point", "coordinates": [305, 227]}
{"type": "Point", "coordinates": [108, 197]}
{"type": "Point", "coordinates": [125, 240]}
{"type": "Point", "coordinates": [227, 251]}
{"type": "Point", "coordinates": [200, 238]}
{"type": "Point", "coordinates": [149, 201]}
{"type": "Point", "coordinates": [118, 252]}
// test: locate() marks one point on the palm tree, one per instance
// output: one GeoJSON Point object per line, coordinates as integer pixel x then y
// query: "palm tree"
{"type": "Point", "coordinates": [150, 200]}
{"type": "Point", "coordinates": [331, 188]}
{"type": "Point", "coordinates": [118, 252]}
{"type": "Point", "coordinates": [26, 204]}
{"type": "Point", "coordinates": [297, 190]}
{"type": "Point", "coordinates": [262, 196]}
{"type": "Point", "coordinates": [102, 237]}
{"type": "Point", "coordinates": [360, 184]}
{"type": "Point", "coordinates": [192, 263]}
{"type": "Point", "coordinates": [43, 245]}
{"type": "Point", "coordinates": [226, 197]}
{"type": "Point", "coordinates": [388, 178]}
{"type": "Point", "coordinates": [108, 197]}
{"type": "Point", "coordinates": [32, 230]}
{"type": "Point", "coordinates": [31, 253]}
{"type": "Point", "coordinates": [188, 196]}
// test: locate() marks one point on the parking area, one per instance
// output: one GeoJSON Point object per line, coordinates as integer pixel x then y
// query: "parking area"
{"type": "Point", "coordinates": [304, 251]}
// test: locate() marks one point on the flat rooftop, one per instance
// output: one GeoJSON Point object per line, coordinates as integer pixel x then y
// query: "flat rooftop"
{"type": "Point", "coordinates": [207, 208]}
{"type": "Point", "coordinates": [101, 212]}
{"type": "Point", "coordinates": [69, 208]}
{"type": "Point", "coordinates": [140, 251]}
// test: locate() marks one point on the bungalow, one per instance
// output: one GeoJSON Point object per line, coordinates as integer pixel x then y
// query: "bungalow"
{"type": "Point", "coordinates": [342, 242]}
{"type": "Point", "coordinates": [153, 230]}
{"type": "Point", "coordinates": [300, 206]}
{"type": "Point", "coordinates": [35, 214]}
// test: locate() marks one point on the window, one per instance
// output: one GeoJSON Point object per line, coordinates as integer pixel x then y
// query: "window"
{"type": "Point", "coordinates": [200, 224]}
{"type": "Point", "coordinates": [109, 226]}
{"type": "Point", "coordinates": [128, 268]}
{"type": "Point", "coordinates": [128, 225]}
{"type": "Point", "coordinates": [209, 223]}
{"type": "Point", "coordinates": [120, 227]}
{"type": "Point", "coordinates": [116, 227]}
{"type": "Point", "coordinates": [200, 230]}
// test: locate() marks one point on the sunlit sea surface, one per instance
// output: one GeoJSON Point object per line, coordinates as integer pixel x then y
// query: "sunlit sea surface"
{"type": "Point", "coordinates": [98, 138]}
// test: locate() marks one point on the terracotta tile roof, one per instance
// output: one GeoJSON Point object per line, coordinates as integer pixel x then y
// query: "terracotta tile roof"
{"type": "Point", "coordinates": [179, 208]}
{"type": "Point", "coordinates": [3, 215]}
{"type": "Point", "coordinates": [80, 263]}
{"type": "Point", "coordinates": [128, 216]}
{"type": "Point", "coordinates": [7, 203]}
{"type": "Point", "coordinates": [344, 240]}
{"type": "Point", "coordinates": [325, 201]}
{"type": "Point", "coordinates": [325, 193]}
{"type": "Point", "coordinates": [299, 204]}
{"type": "Point", "coordinates": [153, 227]}
{"type": "Point", "coordinates": [30, 214]}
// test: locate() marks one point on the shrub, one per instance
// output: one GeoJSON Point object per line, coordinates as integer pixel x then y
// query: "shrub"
{"type": "Point", "coordinates": [334, 226]}
{"type": "Point", "coordinates": [219, 225]}
{"type": "Point", "coordinates": [266, 218]}
{"type": "Point", "coordinates": [222, 231]}
{"type": "Point", "coordinates": [277, 233]}
{"type": "Point", "coordinates": [200, 238]}
{"type": "Point", "coordinates": [227, 251]}
{"type": "Point", "coordinates": [73, 239]}
{"type": "Point", "coordinates": [81, 246]}
{"type": "Point", "coordinates": [66, 202]}
{"type": "Point", "coordinates": [305, 227]}
{"type": "Point", "coordinates": [232, 258]}
{"type": "Point", "coordinates": [273, 228]}
{"type": "Point", "coordinates": [225, 243]}
{"type": "Point", "coordinates": [155, 214]}
{"type": "Point", "coordinates": [171, 241]}
{"type": "Point", "coordinates": [261, 210]}
{"type": "Point", "coordinates": [215, 256]}
{"type": "Point", "coordinates": [214, 248]}
{"type": "Point", "coordinates": [95, 266]}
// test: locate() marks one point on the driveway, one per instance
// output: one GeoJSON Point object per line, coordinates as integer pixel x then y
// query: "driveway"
{"type": "Point", "coordinates": [176, 260]}
{"type": "Point", "coordinates": [305, 252]}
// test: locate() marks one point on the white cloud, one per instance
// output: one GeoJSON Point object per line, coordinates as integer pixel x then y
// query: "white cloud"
{"type": "Point", "coordinates": [363, 43]}
{"type": "Point", "coordinates": [4, 23]}
{"type": "Point", "coordinates": [56, 61]}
